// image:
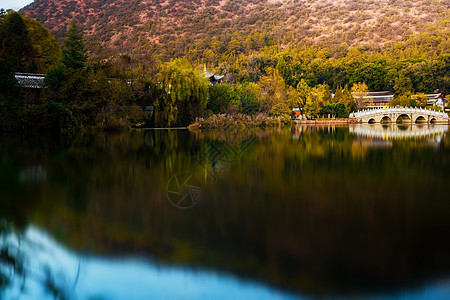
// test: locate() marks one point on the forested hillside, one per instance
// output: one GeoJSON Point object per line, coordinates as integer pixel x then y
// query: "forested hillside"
{"type": "Point", "coordinates": [206, 28]}
{"type": "Point", "coordinates": [274, 54]}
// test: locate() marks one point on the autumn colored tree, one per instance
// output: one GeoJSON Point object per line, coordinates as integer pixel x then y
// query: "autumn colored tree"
{"type": "Point", "coordinates": [46, 49]}
{"type": "Point", "coordinates": [360, 92]}
{"type": "Point", "coordinates": [338, 95]}
{"type": "Point", "coordinates": [280, 110]}
{"type": "Point", "coordinates": [419, 100]}
{"type": "Point", "coordinates": [327, 97]}
{"type": "Point", "coordinates": [15, 45]}
{"type": "Point", "coordinates": [303, 90]}
{"type": "Point", "coordinates": [273, 89]}
{"type": "Point", "coordinates": [403, 100]}
{"type": "Point", "coordinates": [315, 101]}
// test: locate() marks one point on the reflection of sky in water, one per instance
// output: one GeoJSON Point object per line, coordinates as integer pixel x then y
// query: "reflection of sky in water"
{"type": "Point", "coordinates": [100, 278]}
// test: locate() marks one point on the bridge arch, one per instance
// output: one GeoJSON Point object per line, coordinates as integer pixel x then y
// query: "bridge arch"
{"type": "Point", "coordinates": [433, 120]}
{"type": "Point", "coordinates": [420, 119]}
{"type": "Point", "coordinates": [372, 120]}
{"type": "Point", "coordinates": [385, 119]}
{"type": "Point", "coordinates": [403, 118]}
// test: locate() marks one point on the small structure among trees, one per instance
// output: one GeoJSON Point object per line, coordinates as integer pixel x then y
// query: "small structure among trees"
{"type": "Point", "coordinates": [213, 78]}
{"type": "Point", "coordinates": [30, 80]}
{"type": "Point", "coordinates": [436, 99]}
{"type": "Point", "coordinates": [373, 99]}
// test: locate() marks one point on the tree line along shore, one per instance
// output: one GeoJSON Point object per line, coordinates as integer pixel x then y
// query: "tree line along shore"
{"type": "Point", "coordinates": [80, 91]}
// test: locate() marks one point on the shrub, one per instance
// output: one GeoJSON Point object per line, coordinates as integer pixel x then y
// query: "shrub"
{"type": "Point", "coordinates": [59, 116]}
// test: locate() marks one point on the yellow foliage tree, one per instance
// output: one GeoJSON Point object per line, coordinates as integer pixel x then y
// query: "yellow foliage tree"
{"type": "Point", "coordinates": [186, 92]}
{"type": "Point", "coordinates": [360, 91]}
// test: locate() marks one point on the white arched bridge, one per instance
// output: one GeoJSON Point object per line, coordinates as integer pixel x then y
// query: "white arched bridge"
{"type": "Point", "coordinates": [400, 114]}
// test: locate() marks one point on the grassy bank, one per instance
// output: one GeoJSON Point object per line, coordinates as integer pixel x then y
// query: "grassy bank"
{"type": "Point", "coordinates": [221, 121]}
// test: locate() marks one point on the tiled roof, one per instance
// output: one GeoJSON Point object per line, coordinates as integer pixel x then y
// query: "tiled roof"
{"type": "Point", "coordinates": [32, 81]}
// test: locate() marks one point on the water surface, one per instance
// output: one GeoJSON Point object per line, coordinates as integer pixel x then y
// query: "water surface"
{"type": "Point", "coordinates": [288, 213]}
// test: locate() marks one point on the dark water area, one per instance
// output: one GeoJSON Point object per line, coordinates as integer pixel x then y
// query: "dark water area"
{"type": "Point", "coordinates": [360, 211]}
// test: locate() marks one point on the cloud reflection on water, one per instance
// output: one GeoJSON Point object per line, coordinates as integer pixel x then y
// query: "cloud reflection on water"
{"type": "Point", "coordinates": [90, 277]}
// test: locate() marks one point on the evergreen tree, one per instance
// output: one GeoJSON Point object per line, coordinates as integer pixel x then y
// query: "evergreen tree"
{"type": "Point", "coordinates": [248, 93]}
{"type": "Point", "coordinates": [327, 97]}
{"type": "Point", "coordinates": [349, 101]}
{"type": "Point", "coordinates": [220, 97]}
{"type": "Point", "coordinates": [74, 51]}
{"type": "Point", "coordinates": [339, 95]}
{"type": "Point", "coordinates": [341, 110]}
{"type": "Point", "coordinates": [403, 84]}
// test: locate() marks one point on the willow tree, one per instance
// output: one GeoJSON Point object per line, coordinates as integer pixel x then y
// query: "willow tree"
{"type": "Point", "coordinates": [185, 93]}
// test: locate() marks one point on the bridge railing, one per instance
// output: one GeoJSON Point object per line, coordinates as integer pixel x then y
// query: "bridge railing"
{"type": "Point", "coordinates": [397, 110]}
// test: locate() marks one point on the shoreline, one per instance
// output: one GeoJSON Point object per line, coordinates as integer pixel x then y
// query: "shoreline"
{"type": "Point", "coordinates": [346, 121]}
{"type": "Point", "coordinates": [327, 121]}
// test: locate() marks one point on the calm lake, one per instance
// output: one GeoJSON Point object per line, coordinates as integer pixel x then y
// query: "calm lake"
{"type": "Point", "coordinates": [293, 213]}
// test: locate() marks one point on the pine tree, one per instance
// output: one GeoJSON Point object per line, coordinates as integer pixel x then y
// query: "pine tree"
{"type": "Point", "coordinates": [74, 52]}
{"type": "Point", "coordinates": [327, 97]}
{"type": "Point", "coordinates": [349, 101]}
{"type": "Point", "coordinates": [338, 96]}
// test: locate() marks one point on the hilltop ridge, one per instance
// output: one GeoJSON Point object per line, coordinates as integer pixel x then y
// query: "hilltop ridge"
{"type": "Point", "coordinates": [177, 27]}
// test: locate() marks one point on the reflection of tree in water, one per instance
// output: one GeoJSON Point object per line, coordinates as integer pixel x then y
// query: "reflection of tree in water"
{"type": "Point", "coordinates": [220, 149]}
{"type": "Point", "coordinates": [17, 270]}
